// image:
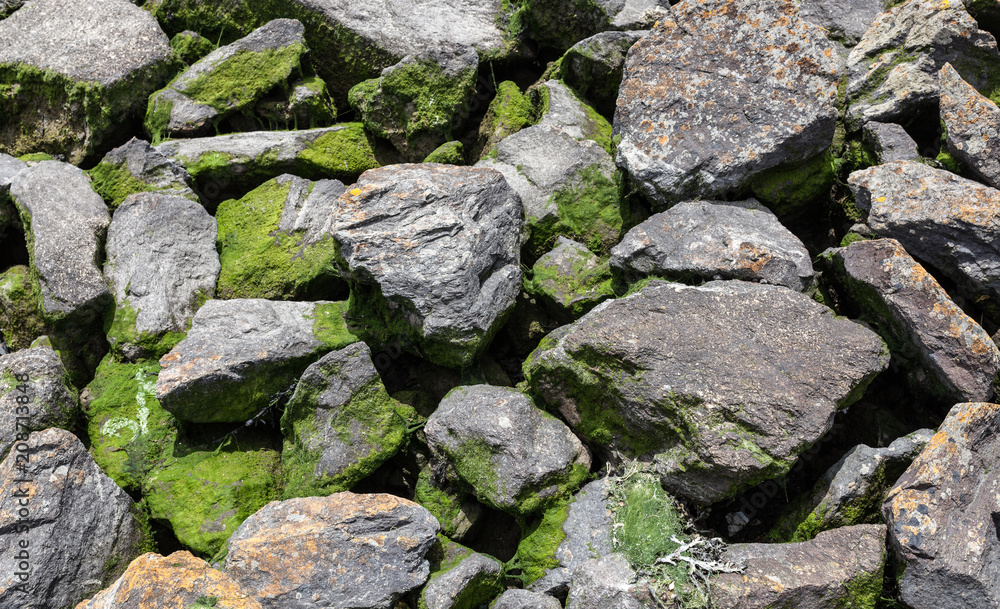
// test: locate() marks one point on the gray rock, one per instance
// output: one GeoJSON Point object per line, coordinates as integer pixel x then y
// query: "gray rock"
{"type": "Point", "coordinates": [240, 352]}
{"type": "Point", "coordinates": [890, 142]}
{"type": "Point", "coordinates": [840, 568]}
{"type": "Point", "coordinates": [571, 279]}
{"type": "Point", "coordinates": [73, 530]}
{"type": "Point", "coordinates": [563, 110]}
{"type": "Point", "coordinates": [916, 316]}
{"type": "Point", "coordinates": [161, 265]}
{"type": "Point", "coordinates": [525, 599]}
{"type": "Point", "coordinates": [560, 23]}
{"type": "Point", "coordinates": [35, 394]}
{"type": "Point", "coordinates": [845, 22]}
{"type": "Point", "coordinates": [344, 550]}
{"type": "Point", "coordinates": [715, 240]}
{"type": "Point", "coordinates": [594, 67]}
{"type": "Point", "coordinates": [81, 74]}
{"type": "Point", "coordinates": [137, 167]}
{"type": "Point", "coordinates": [473, 582]}
{"type": "Point", "coordinates": [514, 456]}
{"type": "Point", "coordinates": [432, 254]}
{"type": "Point", "coordinates": [67, 224]}
{"type": "Point", "coordinates": [707, 103]}
{"type": "Point", "coordinates": [972, 122]}
{"type": "Point", "coordinates": [9, 167]}
{"type": "Point", "coordinates": [893, 70]}
{"type": "Point", "coordinates": [606, 582]}
{"type": "Point", "coordinates": [941, 515]}
{"type": "Point", "coordinates": [308, 105]}
{"type": "Point", "coordinates": [686, 376]}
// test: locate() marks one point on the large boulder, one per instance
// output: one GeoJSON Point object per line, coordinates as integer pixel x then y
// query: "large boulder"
{"type": "Point", "coordinates": [722, 385]}
{"type": "Point", "coordinates": [35, 394]}
{"type": "Point", "coordinates": [972, 124]}
{"type": "Point", "coordinates": [138, 167]}
{"type": "Point", "coordinates": [721, 91]}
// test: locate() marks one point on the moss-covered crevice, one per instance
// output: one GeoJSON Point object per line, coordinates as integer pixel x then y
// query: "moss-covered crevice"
{"type": "Point", "coordinates": [123, 335]}
{"type": "Point", "coordinates": [788, 190]}
{"type": "Point", "coordinates": [540, 538]}
{"type": "Point", "coordinates": [343, 154]}
{"type": "Point", "coordinates": [509, 112]}
{"type": "Point", "coordinates": [21, 317]}
{"type": "Point", "coordinates": [589, 211]}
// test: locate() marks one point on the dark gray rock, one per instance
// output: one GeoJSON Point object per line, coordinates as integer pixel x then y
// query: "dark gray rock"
{"type": "Point", "coordinates": [307, 105]}
{"type": "Point", "coordinates": [560, 23]}
{"type": "Point", "coordinates": [70, 525]}
{"type": "Point", "coordinates": [594, 67]}
{"type": "Point", "coordinates": [571, 279]}
{"type": "Point", "coordinates": [708, 103]}
{"type": "Point", "coordinates": [161, 265]}
{"type": "Point", "coordinates": [344, 550]}
{"type": "Point", "coordinates": [516, 457]}
{"type": "Point", "coordinates": [606, 582]}
{"type": "Point", "coordinates": [845, 22]}
{"type": "Point", "coordinates": [432, 255]}
{"type": "Point", "coordinates": [941, 515]}
{"type": "Point", "coordinates": [715, 240]}
{"type": "Point", "coordinates": [35, 394]}
{"type": "Point", "coordinates": [972, 122]}
{"type": "Point", "coordinates": [689, 377]}
{"type": "Point", "coordinates": [471, 583]}
{"type": "Point", "coordinates": [890, 142]}
{"type": "Point", "coordinates": [137, 167]}
{"type": "Point", "coordinates": [840, 568]}
{"type": "Point", "coordinates": [67, 221]}
{"type": "Point", "coordinates": [525, 599]}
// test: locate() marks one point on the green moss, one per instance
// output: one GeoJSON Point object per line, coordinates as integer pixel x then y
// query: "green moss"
{"type": "Point", "coordinates": [21, 317]}
{"type": "Point", "coordinates": [211, 164]}
{"type": "Point", "coordinates": [343, 154]}
{"type": "Point", "coordinates": [575, 293]}
{"type": "Point", "coordinates": [115, 183]}
{"type": "Point", "coordinates": [509, 112]}
{"type": "Point", "coordinates": [473, 460]}
{"type": "Point", "coordinates": [330, 325]}
{"type": "Point", "coordinates": [122, 333]}
{"type": "Point", "coordinates": [449, 153]}
{"type": "Point", "coordinates": [444, 505]}
{"type": "Point", "coordinates": [561, 24]}
{"type": "Point", "coordinates": [444, 556]}
{"type": "Point", "coordinates": [157, 120]}
{"type": "Point", "coordinates": [789, 189]}
{"type": "Point", "coordinates": [240, 80]}
{"type": "Point", "coordinates": [850, 238]}
{"type": "Point", "coordinates": [864, 591]}
{"type": "Point", "coordinates": [190, 47]}
{"type": "Point", "coordinates": [536, 553]}
{"type": "Point", "coordinates": [36, 157]}
{"type": "Point", "coordinates": [589, 211]}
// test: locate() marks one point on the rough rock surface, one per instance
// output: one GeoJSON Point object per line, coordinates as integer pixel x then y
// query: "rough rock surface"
{"type": "Point", "coordinates": [840, 568]}
{"type": "Point", "coordinates": [941, 514]}
{"type": "Point", "coordinates": [715, 240]}
{"type": "Point", "coordinates": [35, 394]}
{"type": "Point", "coordinates": [973, 126]}
{"type": "Point", "coordinates": [514, 456]}
{"type": "Point", "coordinates": [845, 22]}
{"type": "Point", "coordinates": [571, 279]}
{"type": "Point", "coordinates": [138, 167]}
{"type": "Point", "coordinates": [102, 57]}
{"type": "Point", "coordinates": [721, 91]}
{"type": "Point", "coordinates": [471, 583]}
{"type": "Point", "coordinates": [723, 385]}
{"type": "Point", "coordinates": [240, 352]}
{"type": "Point", "coordinates": [890, 142]}
{"type": "Point", "coordinates": [447, 294]}
{"type": "Point", "coordinates": [606, 582]}
{"type": "Point", "coordinates": [345, 550]}
{"type": "Point", "coordinates": [161, 264]}
{"type": "Point", "coordinates": [560, 23]}
{"type": "Point", "coordinates": [525, 599]}
{"type": "Point", "coordinates": [9, 167]}
{"type": "Point", "coordinates": [74, 525]}
{"type": "Point", "coordinates": [594, 67]}
{"type": "Point", "coordinates": [177, 580]}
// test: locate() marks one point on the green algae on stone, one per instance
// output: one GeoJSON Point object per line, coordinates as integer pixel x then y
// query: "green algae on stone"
{"type": "Point", "coordinates": [343, 154]}
{"type": "Point", "coordinates": [573, 291]}
{"type": "Point", "coordinates": [536, 552]}
{"type": "Point", "coordinates": [509, 112]}
{"type": "Point", "coordinates": [190, 46]}
{"type": "Point", "coordinates": [449, 153]}
{"type": "Point", "coordinates": [114, 184]}
{"type": "Point", "coordinates": [443, 556]}
{"type": "Point", "coordinates": [35, 157]}
{"type": "Point", "coordinates": [21, 317]}
{"type": "Point", "coordinates": [445, 503]}
{"type": "Point", "coordinates": [240, 80]}
{"type": "Point", "coordinates": [788, 190]}
{"type": "Point", "coordinates": [122, 331]}
{"type": "Point", "coordinates": [589, 211]}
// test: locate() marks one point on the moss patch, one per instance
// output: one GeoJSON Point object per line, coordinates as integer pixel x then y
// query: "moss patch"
{"type": "Point", "coordinates": [190, 47]}
{"type": "Point", "coordinates": [572, 294]}
{"type": "Point", "coordinates": [114, 183]}
{"type": "Point", "coordinates": [449, 153]}
{"type": "Point", "coordinates": [240, 80]}
{"type": "Point", "coordinates": [446, 506]}
{"type": "Point", "coordinates": [788, 189]}
{"type": "Point", "coordinates": [21, 316]}
{"type": "Point", "coordinates": [343, 154]}
{"type": "Point", "coordinates": [122, 333]}
{"type": "Point", "coordinates": [509, 112]}
{"type": "Point", "coordinates": [536, 553]}
{"type": "Point", "coordinates": [589, 211]}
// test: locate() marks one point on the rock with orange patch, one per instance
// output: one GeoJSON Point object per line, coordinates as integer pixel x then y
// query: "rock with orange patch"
{"type": "Point", "coordinates": [66, 526]}
{"type": "Point", "coordinates": [916, 317]}
{"type": "Point", "coordinates": [344, 550]}
{"type": "Point", "coordinates": [715, 240]}
{"type": "Point", "coordinates": [839, 568]}
{"type": "Point", "coordinates": [943, 512]}
{"type": "Point", "coordinates": [720, 92]}
{"type": "Point", "coordinates": [973, 126]}
{"type": "Point", "coordinates": [178, 581]}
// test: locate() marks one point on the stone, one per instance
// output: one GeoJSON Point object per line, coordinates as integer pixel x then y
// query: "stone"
{"type": "Point", "coordinates": [606, 582]}
{"type": "Point", "coordinates": [915, 316]}
{"type": "Point", "coordinates": [345, 550]}
{"type": "Point", "coordinates": [138, 167]}
{"type": "Point", "coordinates": [274, 242]}
{"type": "Point", "coordinates": [563, 109]}
{"type": "Point", "coordinates": [765, 96]}
{"type": "Point", "coordinates": [238, 353]}
{"type": "Point", "coordinates": [972, 124]}
{"type": "Point", "coordinates": [7, 7]}
{"type": "Point", "coordinates": [340, 425]}
{"type": "Point", "coordinates": [515, 457]}
{"type": "Point", "coordinates": [77, 75]}
{"type": "Point", "coordinates": [177, 580]}
{"type": "Point", "coordinates": [35, 394]}
{"type": "Point", "coordinates": [525, 599]}
{"type": "Point", "coordinates": [892, 72]}
{"type": "Point", "coordinates": [685, 376]}
{"type": "Point", "coordinates": [940, 514]}
{"type": "Point", "coordinates": [571, 279]}
{"type": "Point", "coordinates": [9, 167]}
{"type": "Point", "coordinates": [473, 582]}
{"type": "Point", "coordinates": [845, 22]}
{"type": "Point", "coordinates": [77, 529]}
{"type": "Point", "coordinates": [715, 240]}
{"type": "Point", "coordinates": [307, 105]}
{"type": "Point", "coordinates": [161, 265]}
{"type": "Point", "coordinates": [562, 23]}
{"type": "Point", "coordinates": [431, 253]}
{"type": "Point", "coordinates": [842, 567]}
{"type": "Point", "coordinates": [889, 142]}
{"type": "Point", "coordinates": [594, 67]}
{"type": "Point", "coordinates": [451, 504]}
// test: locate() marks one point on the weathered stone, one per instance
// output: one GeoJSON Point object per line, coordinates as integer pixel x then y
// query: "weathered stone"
{"type": "Point", "coordinates": [473, 582]}
{"type": "Point", "coordinates": [525, 599]}
{"type": "Point", "coordinates": [972, 124]}
{"type": "Point", "coordinates": [178, 580]}
{"type": "Point", "coordinates": [893, 70]}
{"type": "Point", "coordinates": [890, 142]}
{"type": "Point", "coordinates": [76, 526]}
{"type": "Point", "coordinates": [345, 550]}
{"type": "Point", "coordinates": [76, 74]}
{"type": "Point", "coordinates": [688, 377]}
{"type": "Point", "coordinates": [308, 105]}
{"type": "Point", "coordinates": [562, 109]}
{"type": "Point", "coordinates": [138, 167]}
{"type": "Point", "coordinates": [561, 23]}
{"type": "Point", "coordinates": [941, 514]}
{"type": "Point", "coordinates": [239, 353]}
{"type": "Point", "coordinates": [571, 279]}
{"type": "Point", "coordinates": [715, 240]}
{"type": "Point", "coordinates": [432, 256]}
{"type": "Point", "coordinates": [606, 582]}
{"type": "Point", "coordinates": [9, 167]}
{"type": "Point", "coordinates": [449, 501]}
{"type": "Point", "coordinates": [594, 67]}
{"type": "Point", "coordinates": [161, 265]}
{"type": "Point", "coordinates": [721, 91]}
{"type": "Point", "coordinates": [35, 394]}
{"type": "Point", "coordinates": [840, 568]}
{"type": "Point", "coordinates": [449, 153]}
{"type": "Point", "coordinates": [845, 22]}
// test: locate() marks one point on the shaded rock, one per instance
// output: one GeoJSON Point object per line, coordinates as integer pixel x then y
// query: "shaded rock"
{"type": "Point", "coordinates": [239, 353]}
{"type": "Point", "coordinates": [571, 279]}
{"type": "Point", "coordinates": [525, 599]}
{"type": "Point", "coordinates": [344, 550]}
{"type": "Point", "coordinates": [893, 70]}
{"type": "Point", "coordinates": [914, 314]}
{"type": "Point", "coordinates": [9, 167]}
{"type": "Point", "coordinates": [890, 142]}
{"type": "Point", "coordinates": [21, 317]}
{"type": "Point", "coordinates": [449, 153]}
{"type": "Point", "coordinates": [765, 95]}
{"type": "Point", "coordinates": [606, 582]}
{"type": "Point", "coordinates": [459, 514]}
{"type": "Point", "coordinates": [7, 7]}
{"type": "Point", "coordinates": [941, 514]}
{"type": "Point", "coordinates": [715, 240]}
{"type": "Point", "coordinates": [431, 254]}
{"type": "Point", "coordinates": [72, 531]}
{"type": "Point", "coordinates": [594, 67]}
{"type": "Point", "coordinates": [77, 75]}
{"type": "Point", "coordinates": [307, 104]}
{"type": "Point", "coordinates": [845, 22]}
{"type": "Point", "coordinates": [35, 394]}
{"type": "Point", "coordinates": [179, 579]}
{"type": "Point", "coordinates": [972, 124]}
{"type": "Point", "coordinates": [161, 265]}
{"type": "Point", "coordinates": [509, 112]}
{"type": "Point", "coordinates": [191, 46]}
{"type": "Point", "coordinates": [561, 23]}
{"type": "Point", "coordinates": [138, 167]}
{"type": "Point", "coordinates": [686, 376]}
{"type": "Point", "coordinates": [474, 581]}
{"type": "Point", "coordinates": [842, 567]}
{"type": "Point", "coordinates": [274, 242]}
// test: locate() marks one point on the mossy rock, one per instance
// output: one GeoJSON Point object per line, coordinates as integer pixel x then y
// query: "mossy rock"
{"type": "Point", "coordinates": [21, 316]}
{"type": "Point", "coordinates": [536, 553]}
{"type": "Point", "coordinates": [571, 279]}
{"type": "Point", "coordinates": [455, 510]}
{"type": "Point", "coordinates": [509, 112]}
{"type": "Point", "coordinates": [789, 189]}
{"type": "Point", "coordinates": [191, 46]}
{"type": "Point", "coordinates": [449, 153]}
